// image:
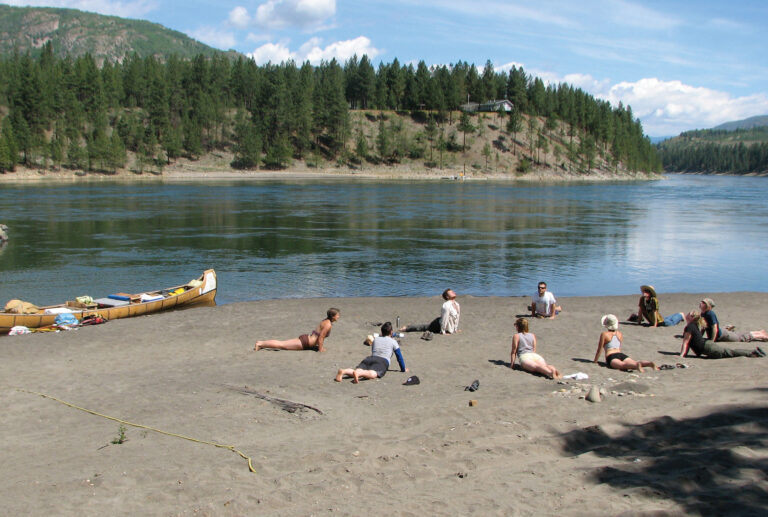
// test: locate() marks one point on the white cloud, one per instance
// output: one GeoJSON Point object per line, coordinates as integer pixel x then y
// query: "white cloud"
{"type": "Point", "coordinates": [239, 17]}
{"type": "Point", "coordinates": [214, 37]}
{"type": "Point", "coordinates": [584, 81]}
{"type": "Point", "coordinates": [128, 9]}
{"type": "Point", "coordinates": [670, 107]}
{"type": "Point", "coordinates": [665, 108]}
{"type": "Point", "coordinates": [506, 67]}
{"type": "Point", "coordinates": [341, 50]}
{"type": "Point", "coordinates": [313, 52]}
{"type": "Point", "coordinates": [295, 13]}
{"type": "Point", "coordinates": [272, 52]}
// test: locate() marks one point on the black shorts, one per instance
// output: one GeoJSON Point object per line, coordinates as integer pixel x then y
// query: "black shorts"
{"type": "Point", "coordinates": [615, 355]}
{"type": "Point", "coordinates": [375, 363]}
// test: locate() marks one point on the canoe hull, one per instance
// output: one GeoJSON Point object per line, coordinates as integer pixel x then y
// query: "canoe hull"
{"type": "Point", "coordinates": [203, 295]}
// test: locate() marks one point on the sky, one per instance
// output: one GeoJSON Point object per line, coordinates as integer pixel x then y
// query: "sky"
{"type": "Point", "coordinates": [680, 64]}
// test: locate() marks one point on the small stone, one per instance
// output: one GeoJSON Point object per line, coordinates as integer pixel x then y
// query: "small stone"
{"type": "Point", "coordinates": [593, 395]}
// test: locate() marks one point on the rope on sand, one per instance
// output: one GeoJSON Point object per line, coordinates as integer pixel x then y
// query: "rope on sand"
{"type": "Point", "coordinates": [140, 426]}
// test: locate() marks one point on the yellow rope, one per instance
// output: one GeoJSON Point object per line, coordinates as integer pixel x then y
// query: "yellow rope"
{"type": "Point", "coordinates": [140, 426]}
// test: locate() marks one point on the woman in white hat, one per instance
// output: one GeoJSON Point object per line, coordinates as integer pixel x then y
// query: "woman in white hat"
{"type": "Point", "coordinates": [610, 341]}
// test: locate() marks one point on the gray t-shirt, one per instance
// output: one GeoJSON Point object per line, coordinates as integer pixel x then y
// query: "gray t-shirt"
{"type": "Point", "coordinates": [384, 347]}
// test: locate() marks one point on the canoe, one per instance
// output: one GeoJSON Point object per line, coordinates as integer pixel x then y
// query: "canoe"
{"type": "Point", "coordinates": [201, 291]}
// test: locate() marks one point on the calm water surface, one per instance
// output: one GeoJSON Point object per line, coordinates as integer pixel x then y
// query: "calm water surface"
{"type": "Point", "coordinates": [364, 238]}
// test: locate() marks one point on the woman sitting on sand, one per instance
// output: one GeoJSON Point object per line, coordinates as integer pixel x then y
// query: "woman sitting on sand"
{"type": "Point", "coordinates": [312, 341]}
{"type": "Point", "coordinates": [610, 341]}
{"type": "Point", "coordinates": [693, 340]}
{"type": "Point", "coordinates": [375, 366]}
{"type": "Point", "coordinates": [648, 309]}
{"type": "Point", "coordinates": [716, 333]}
{"type": "Point", "coordinates": [524, 349]}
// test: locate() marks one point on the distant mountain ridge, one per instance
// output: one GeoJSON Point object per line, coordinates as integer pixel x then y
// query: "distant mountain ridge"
{"type": "Point", "coordinates": [747, 123]}
{"type": "Point", "coordinates": [106, 38]}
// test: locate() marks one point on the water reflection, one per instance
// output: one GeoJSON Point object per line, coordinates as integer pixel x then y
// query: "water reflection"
{"type": "Point", "coordinates": [307, 239]}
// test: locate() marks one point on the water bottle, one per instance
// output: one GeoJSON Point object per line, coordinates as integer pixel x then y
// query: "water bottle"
{"type": "Point", "coordinates": [398, 323]}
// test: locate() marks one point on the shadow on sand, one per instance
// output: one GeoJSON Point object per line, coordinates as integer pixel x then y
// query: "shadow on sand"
{"type": "Point", "coordinates": [716, 464]}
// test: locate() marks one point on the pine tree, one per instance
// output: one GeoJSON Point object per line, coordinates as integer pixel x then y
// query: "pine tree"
{"type": "Point", "coordinates": [247, 144]}
{"type": "Point", "coordinates": [487, 153]}
{"type": "Point", "coordinates": [465, 126]}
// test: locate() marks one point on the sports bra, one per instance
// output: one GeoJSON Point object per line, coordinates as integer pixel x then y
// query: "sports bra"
{"type": "Point", "coordinates": [614, 343]}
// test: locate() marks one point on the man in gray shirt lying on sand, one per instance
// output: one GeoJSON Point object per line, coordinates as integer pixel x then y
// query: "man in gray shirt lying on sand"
{"type": "Point", "coordinates": [376, 365]}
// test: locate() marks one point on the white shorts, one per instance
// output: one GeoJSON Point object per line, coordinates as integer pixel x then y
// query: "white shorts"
{"type": "Point", "coordinates": [531, 357]}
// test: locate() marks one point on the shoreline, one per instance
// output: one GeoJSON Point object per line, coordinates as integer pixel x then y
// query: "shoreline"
{"type": "Point", "coordinates": [217, 170]}
{"type": "Point", "coordinates": [193, 373]}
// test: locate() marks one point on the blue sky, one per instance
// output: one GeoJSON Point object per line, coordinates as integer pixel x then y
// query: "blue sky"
{"type": "Point", "coordinates": [680, 64]}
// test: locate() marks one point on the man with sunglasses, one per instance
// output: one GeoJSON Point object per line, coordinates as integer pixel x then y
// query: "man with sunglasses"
{"type": "Point", "coordinates": [543, 303]}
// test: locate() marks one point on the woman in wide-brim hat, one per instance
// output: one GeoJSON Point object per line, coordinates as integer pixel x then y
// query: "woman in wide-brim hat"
{"type": "Point", "coordinates": [648, 309]}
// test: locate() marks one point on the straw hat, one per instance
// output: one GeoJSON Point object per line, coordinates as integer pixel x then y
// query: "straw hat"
{"type": "Point", "coordinates": [648, 288]}
{"type": "Point", "coordinates": [709, 302]}
{"type": "Point", "coordinates": [610, 322]}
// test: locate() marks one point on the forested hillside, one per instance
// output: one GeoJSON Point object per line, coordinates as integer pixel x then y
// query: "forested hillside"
{"type": "Point", "coordinates": [75, 33]}
{"type": "Point", "coordinates": [144, 113]}
{"type": "Point", "coordinates": [742, 151]}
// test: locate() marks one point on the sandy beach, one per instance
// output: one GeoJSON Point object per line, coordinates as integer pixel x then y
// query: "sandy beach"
{"type": "Point", "coordinates": [215, 167]}
{"type": "Point", "coordinates": [683, 441]}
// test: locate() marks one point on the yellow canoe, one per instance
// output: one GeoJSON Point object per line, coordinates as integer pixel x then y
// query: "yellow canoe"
{"type": "Point", "coordinates": [201, 291]}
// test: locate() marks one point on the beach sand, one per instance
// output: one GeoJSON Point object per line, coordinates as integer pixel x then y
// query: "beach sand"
{"type": "Point", "coordinates": [679, 441]}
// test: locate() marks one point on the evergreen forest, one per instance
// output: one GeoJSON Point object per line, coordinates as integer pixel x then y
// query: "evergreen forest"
{"type": "Point", "coordinates": [143, 113]}
{"type": "Point", "coordinates": [741, 151]}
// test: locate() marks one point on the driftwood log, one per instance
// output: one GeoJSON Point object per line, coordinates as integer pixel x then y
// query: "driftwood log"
{"type": "Point", "coordinates": [285, 405]}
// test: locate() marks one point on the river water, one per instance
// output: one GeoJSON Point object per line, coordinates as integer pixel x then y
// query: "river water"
{"type": "Point", "coordinates": [289, 239]}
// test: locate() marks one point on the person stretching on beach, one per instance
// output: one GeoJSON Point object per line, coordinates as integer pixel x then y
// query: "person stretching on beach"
{"type": "Point", "coordinates": [375, 366]}
{"type": "Point", "coordinates": [717, 333]}
{"type": "Point", "coordinates": [610, 341]}
{"type": "Point", "coordinates": [694, 340]}
{"type": "Point", "coordinates": [543, 303]}
{"type": "Point", "coordinates": [648, 309]}
{"type": "Point", "coordinates": [315, 340]}
{"type": "Point", "coordinates": [447, 323]}
{"type": "Point", "coordinates": [524, 349]}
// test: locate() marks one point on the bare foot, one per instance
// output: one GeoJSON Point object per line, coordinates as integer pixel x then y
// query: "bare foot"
{"type": "Point", "coordinates": [640, 368]}
{"type": "Point", "coordinates": [339, 375]}
{"type": "Point", "coordinates": [257, 346]}
{"type": "Point", "coordinates": [356, 378]}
